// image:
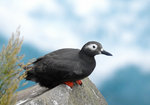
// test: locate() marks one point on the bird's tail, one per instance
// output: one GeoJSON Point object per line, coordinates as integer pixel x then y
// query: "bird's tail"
{"type": "Point", "coordinates": [29, 72]}
{"type": "Point", "coordinates": [30, 75]}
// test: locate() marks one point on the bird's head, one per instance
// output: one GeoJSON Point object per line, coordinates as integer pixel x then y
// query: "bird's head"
{"type": "Point", "coordinates": [93, 48]}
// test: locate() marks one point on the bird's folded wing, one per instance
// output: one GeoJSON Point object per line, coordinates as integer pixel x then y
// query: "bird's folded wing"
{"type": "Point", "coordinates": [53, 66]}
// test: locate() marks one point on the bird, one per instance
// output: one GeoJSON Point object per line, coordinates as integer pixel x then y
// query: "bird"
{"type": "Point", "coordinates": [65, 66]}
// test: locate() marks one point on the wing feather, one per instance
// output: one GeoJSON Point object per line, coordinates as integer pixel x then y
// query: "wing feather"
{"type": "Point", "coordinates": [58, 66]}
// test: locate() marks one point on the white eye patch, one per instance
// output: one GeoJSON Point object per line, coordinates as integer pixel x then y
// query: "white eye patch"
{"type": "Point", "coordinates": [92, 47]}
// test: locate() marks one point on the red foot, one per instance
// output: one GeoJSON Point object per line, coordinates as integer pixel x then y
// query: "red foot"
{"type": "Point", "coordinates": [79, 82]}
{"type": "Point", "coordinates": [70, 84]}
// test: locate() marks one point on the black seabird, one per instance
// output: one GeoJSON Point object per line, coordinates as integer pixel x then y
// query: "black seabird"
{"type": "Point", "coordinates": [67, 66]}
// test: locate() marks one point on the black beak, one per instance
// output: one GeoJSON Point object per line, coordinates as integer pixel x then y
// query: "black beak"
{"type": "Point", "coordinates": [106, 53]}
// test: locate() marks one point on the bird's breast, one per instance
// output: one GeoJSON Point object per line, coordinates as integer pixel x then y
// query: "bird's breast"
{"type": "Point", "coordinates": [86, 69]}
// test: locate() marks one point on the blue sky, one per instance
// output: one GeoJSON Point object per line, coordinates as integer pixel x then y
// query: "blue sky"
{"type": "Point", "coordinates": [122, 26]}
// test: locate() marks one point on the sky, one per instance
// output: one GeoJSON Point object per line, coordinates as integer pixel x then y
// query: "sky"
{"type": "Point", "coordinates": [121, 26]}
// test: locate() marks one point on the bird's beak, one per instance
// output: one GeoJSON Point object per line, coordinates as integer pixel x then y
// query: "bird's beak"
{"type": "Point", "coordinates": [105, 52]}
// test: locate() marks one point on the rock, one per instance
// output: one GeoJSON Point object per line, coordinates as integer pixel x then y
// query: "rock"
{"type": "Point", "coordinates": [87, 94]}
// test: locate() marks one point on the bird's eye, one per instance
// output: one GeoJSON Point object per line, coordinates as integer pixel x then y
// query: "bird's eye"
{"type": "Point", "coordinates": [92, 46]}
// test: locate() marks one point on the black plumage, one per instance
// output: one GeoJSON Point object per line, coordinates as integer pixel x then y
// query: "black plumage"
{"type": "Point", "coordinates": [65, 65]}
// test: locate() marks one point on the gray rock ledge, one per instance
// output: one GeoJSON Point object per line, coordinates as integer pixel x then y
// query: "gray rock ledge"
{"type": "Point", "coordinates": [87, 94]}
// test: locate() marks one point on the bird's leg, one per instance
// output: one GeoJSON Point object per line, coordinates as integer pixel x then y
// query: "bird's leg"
{"type": "Point", "coordinates": [79, 82]}
{"type": "Point", "coordinates": [70, 84]}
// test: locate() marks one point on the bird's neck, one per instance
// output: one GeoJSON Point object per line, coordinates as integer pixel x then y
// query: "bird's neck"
{"type": "Point", "coordinates": [89, 62]}
{"type": "Point", "coordinates": [84, 55]}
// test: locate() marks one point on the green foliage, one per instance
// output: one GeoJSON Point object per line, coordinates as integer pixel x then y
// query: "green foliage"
{"type": "Point", "coordinates": [10, 70]}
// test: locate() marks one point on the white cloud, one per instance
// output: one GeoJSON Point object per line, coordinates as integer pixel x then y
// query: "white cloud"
{"type": "Point", "coordinates": [88, 11]}
{"type": "Point", "coordinates": [128, 38]}
{"type": "Point", "coordinates": [59, 36]}
{"type": "Point", "coordinates": [17, 13]}
{"type": "Point", "coordinates": [136, 6]}
{"type": "Point", "coordinates": [86, 8]}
